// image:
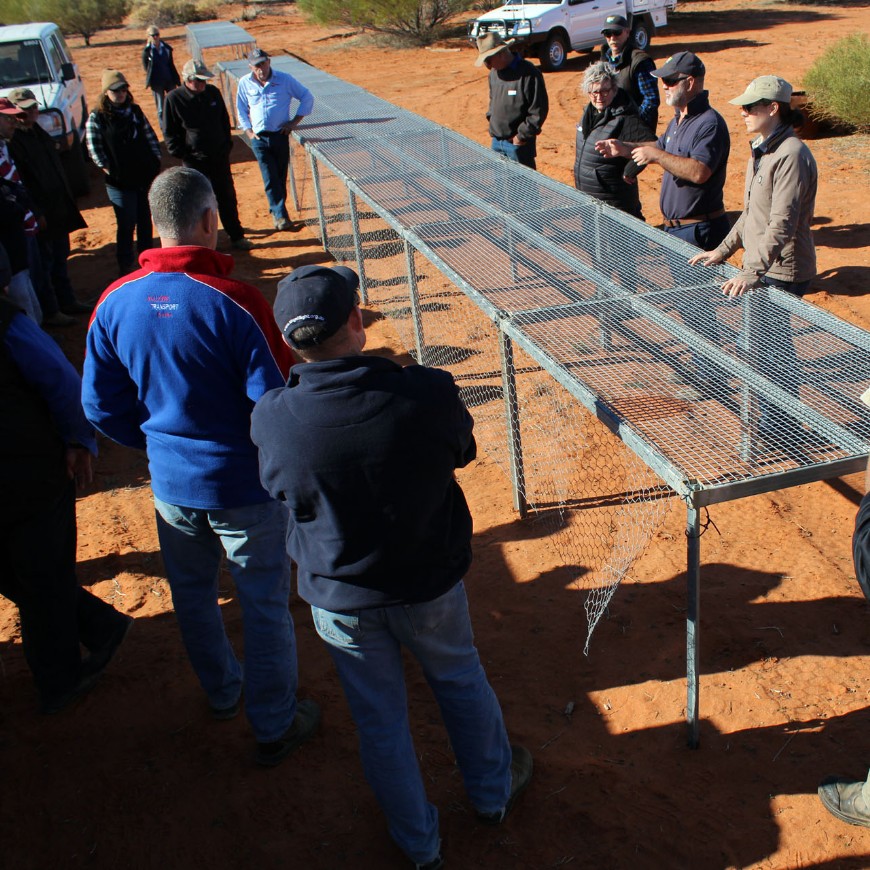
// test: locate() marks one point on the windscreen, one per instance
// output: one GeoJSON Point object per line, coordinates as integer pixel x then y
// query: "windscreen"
{"type": "Point", "coordinates": [23, 63]}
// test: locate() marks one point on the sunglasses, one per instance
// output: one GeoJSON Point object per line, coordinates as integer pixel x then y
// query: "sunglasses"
{"type": "Point", "coordinates": [671, 81]}
{"type": "Point", "coordinates": [613, 32]}
{"type": "Point", "coordinates": [749, 108]}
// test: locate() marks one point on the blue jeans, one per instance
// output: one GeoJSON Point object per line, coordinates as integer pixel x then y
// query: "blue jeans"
{"type": "Point", "coordinates": [193, 543]}
{"type": "Point", "coordinates": [132, 216]}
{"type": "Point", "coordinates": [366, 646]}
{"type": "Point", "coordinates": [524, 153]}
{"type": "Point", "coordinates": [272, 151]}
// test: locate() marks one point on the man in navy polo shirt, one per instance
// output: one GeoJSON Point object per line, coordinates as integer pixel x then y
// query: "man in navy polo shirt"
{"type": "Point", "coordinates": [693, 151]}
{"type": "Point", "coordinates": [363, 452]}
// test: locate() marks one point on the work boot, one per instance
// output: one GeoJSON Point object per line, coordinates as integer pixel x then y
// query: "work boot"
{"type": "Point", "coordinates": [302, 727]}
{"type": "Point", "coordinates": [521, 775]}
{"type": "Point", "coordinates": [844, 799]}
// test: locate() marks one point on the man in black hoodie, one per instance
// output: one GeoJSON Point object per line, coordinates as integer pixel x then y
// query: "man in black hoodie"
{"type": "Point", "coordinates": [364, 452]}
{"type": "Point", "coordinates": [196, 128]}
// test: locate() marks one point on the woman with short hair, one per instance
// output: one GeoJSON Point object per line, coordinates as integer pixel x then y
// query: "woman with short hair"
{"type": "Point", "coordinates": [611, 114]}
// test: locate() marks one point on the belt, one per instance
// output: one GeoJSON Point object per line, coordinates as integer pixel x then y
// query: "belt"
{"type": "Point", "coordinates": [695, 220]}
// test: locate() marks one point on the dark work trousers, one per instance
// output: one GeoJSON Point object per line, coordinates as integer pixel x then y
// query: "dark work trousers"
{"type": "Point", "coordinates": [57, 615]}
{"type": "Point", "coordinates": [272, 151]}
{"type": "Point", "coordinates": [132, 217]}
{"type": "Point", "coordinates": [55, 252]}
{"type": "Point", "coordinates": [39, 276]}
{"type": "Point", "coordinates": [220, 175]}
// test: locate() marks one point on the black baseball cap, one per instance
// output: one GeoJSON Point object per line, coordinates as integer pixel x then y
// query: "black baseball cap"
{"type": "Point", "coordinates": [315, 295]}
{"type": "Point", "coordinates": [682, 63]}
{"type": "Point", "coordinates": [614, 22]}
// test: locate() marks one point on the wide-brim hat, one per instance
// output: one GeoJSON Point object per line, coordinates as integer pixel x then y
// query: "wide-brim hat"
{"type": "Point", "coordinates": [315, 296]}
{"type": "Point", "coordinates": [771, 88]}
{"type": "Point", "coordinates": [490, 44]}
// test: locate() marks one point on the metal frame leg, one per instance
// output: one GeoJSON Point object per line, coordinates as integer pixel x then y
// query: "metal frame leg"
{"type": "Point", "coordinates": [357, 247]}
{"type": "Point", "coordinates": [416, 316]}
{"type": "Point", "coordinates": [512, 417]}
{"type": "Point", "coordinates": [318, 196]}
{"type": "Point", "coordinates": [693, 615]}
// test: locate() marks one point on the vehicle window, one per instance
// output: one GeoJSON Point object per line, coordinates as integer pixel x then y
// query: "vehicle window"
{"type": "Point", "coordinates": [56, 54]}
{"type": "Point", "coordinates": [64, 48]}
{"type": "Point", "coordinates": [23, 63]}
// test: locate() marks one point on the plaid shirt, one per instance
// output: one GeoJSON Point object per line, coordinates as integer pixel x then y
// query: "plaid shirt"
{"type": "Point", "coordinates": [96, 144]}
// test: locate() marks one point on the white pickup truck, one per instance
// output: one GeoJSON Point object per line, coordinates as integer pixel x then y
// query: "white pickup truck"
{"type": "Point", "coordinates": [36, 56]}
{"type": "Point", "coordinates": [550, 29]}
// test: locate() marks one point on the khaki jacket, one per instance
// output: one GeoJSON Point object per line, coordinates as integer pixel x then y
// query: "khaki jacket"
{"type": "Point", "coordinates": [779, 200]}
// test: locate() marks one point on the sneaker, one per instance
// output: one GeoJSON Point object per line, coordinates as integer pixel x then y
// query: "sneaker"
{"type": "Point", "coordinates": [59, 319]}
{"type": "Point", "coordinates": [844, 799]}
{"type": "Point", "coordinates": [242, 244]}
{"type": "Point", "coordinates": [304, 725]}
{"type": "Point", "coordinates": [521, 774]}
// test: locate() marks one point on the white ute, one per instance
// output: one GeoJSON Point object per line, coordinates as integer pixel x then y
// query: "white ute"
{"type": "Point", "coordinates": [550, 30]}
{"type": "Point", "coordinates": [36, 56]}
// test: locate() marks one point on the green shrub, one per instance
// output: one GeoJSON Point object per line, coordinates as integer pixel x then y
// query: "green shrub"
{"type": "Point", "coordinates": [838, 83]}
{"type": "Point", "coordinates": [419, 21]}
{"type": "Point", "coordinates": [166, 12]}
{"type": "Point", "coordinates": [84, 17]}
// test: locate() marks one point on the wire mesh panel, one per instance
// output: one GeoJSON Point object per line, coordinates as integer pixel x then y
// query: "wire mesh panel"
{"type": "Point", "coordinates": [556, 313]}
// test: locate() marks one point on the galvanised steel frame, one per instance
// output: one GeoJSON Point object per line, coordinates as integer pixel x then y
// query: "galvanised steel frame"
{"type": "Point", "coordinates": [767, 386]}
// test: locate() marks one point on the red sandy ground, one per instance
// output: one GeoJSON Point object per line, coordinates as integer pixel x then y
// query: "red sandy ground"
{"type": "Point", "coordinates": [138, 775]}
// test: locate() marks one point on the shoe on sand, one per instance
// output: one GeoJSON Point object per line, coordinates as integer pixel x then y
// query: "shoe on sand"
{"type": "Point", "coordinates": [844, 799]}
{"type": "Point", "coordinates": [521, 775]}
{"type": "Point", "coordinates": [302, 728]}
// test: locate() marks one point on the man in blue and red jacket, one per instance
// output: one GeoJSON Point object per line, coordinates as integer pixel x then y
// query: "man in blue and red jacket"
{"type": "Point", "coordinates": [178, 353]}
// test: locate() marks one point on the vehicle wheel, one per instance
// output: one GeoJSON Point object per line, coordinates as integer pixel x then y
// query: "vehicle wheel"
{"type": "Point", "coordinates": [76, 168]}
{"type": "Point", "coordinates": [554, 52]}
{"type": "Point", "coordinates": [641, 36]}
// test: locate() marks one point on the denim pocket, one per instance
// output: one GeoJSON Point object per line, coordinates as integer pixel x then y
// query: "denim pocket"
{"type": "Point", "coordinates": [338, 629]}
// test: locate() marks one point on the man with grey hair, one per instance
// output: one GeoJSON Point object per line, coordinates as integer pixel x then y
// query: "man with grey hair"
{"type": "Point", "coordinates": [178, 353]}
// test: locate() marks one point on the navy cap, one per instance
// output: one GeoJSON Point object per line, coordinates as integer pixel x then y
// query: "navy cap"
{"type": "Point", "coordinates": [683, 62]}
{"type": "Point", "coordinates": [257, 56]}
{"type": "Point", "coordinates": [315, 296]}
{"type": "Point", "coordinates": [614, 22]}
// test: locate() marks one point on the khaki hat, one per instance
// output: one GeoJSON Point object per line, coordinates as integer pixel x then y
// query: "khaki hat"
{"type": "Point", "coordinates": [771, 88]}
{"type": "Point", "coordinates": [490, 44]}
{"type": "Point", "coordinates": [24, 98]}
{"type": "Point", "coordinates": [112, 80]}
{"type": "Point", "coordinates": [153, 30]}
{"type": "Point", "coordinates": [194, 69]}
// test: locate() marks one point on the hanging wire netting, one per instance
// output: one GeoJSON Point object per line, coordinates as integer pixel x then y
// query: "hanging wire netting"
{"type": "Point", "coordinates": [604, 373]}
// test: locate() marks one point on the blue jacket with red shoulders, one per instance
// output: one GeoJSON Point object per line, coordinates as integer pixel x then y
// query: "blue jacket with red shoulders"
{"type": "Point", "coordinates": [177, 355]}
